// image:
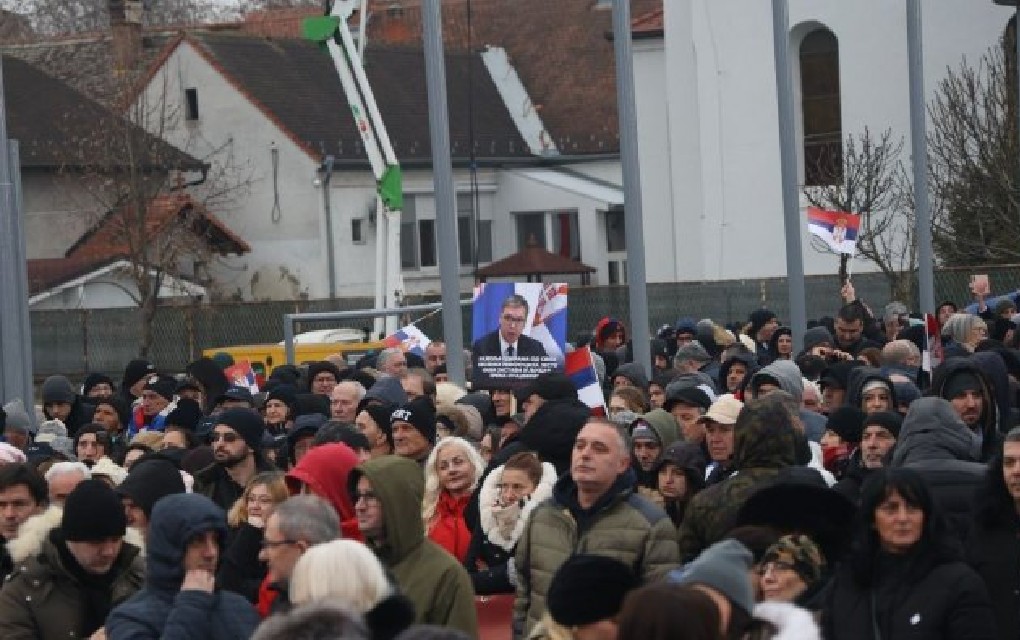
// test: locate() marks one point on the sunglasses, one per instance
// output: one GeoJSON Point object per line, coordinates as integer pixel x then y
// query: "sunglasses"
{"type": "Point", "coordinates": [227, 437]}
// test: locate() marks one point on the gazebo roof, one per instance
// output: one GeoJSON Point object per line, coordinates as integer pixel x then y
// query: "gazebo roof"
{"type": "Point", "coordinates": [533, 261]}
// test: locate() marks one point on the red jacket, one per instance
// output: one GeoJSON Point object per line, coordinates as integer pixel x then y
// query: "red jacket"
{"type": "Point", "coordinates": [448, 528]}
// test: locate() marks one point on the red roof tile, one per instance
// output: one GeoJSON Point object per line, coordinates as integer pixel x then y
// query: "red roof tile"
{"type": "Point", "coordinates": [532, 261]}
{"type": "Point", "coordinates": [44, 274]}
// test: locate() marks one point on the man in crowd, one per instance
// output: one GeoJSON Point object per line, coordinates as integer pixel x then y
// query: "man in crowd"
{"type": "Point", "coordinates": [509, 339]}
{"type": "Point", "coordinates": [594, 507]}
{"type": "Point", "coordinates": [83, 571]}
{"type": "Point", "coordinates": [236, 440]}
{"type": "Point", "coordinates": [344, 399]}
{"type": "Point", "coordinates": [763, 323]}
{"type": "Point", "coordinates": [392, 361]}
{"type": "Point", "coordinates": [878, 438]}
{"type": "Point", "coordinates": [180, 598]}
{"type": "Point", "coordinates": [850, 329]}
{"type": "Point", "coordinates": [157, 394]}
{"type": "Point", "coordinates": [62, 478]}
{"type": "Point", "coordinates": [688, 404]}
{"type": "Point", "coordinates": [149, 480]}
{"type": "Point", "coordinates": [901, 357]}
{"type": "Point", "coordinates": [651, 435]}
{"type": "Point", "coordinates": [387, 494]}
{"type": "Point", "coordinates": [692, 358]}
{"type": "Point", "coordinates": [23, 494]}
{"type": "Point", "coordinates": [90, 443]}
{"type": "Point", "coordinates": [17, 426]}
{"type": "Point", "coordinates": [418, 383]}
{"type": "Point", "coordinates": [322, 377]}
{"type": "Point", "coordinates": [719, 421]}
{"type": "Point", "coordinates": [413, 426]}
{"type": "Point", "coordinates": [435, 356]}
{"type": "Point", "coordinates": [295, 525]}
{"type": "Point", "coordinates": [374, 422]}
{"type": "Point", "coordinates": [60, 402]}
{"type": "Point", "coordinates": [235, 398]}
{"type": "Point", "coordinates": [964, 385]}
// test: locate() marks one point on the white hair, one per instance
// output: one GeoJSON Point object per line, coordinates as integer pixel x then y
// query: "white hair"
{"type": "Point", "coordinates": [353, 384]}
{"type": "Point", "coordinates": [67, 468]}
{"type": "Point", "coordinates": [345, 572]}
{"type": "Point", "coordinates": [432, 488]}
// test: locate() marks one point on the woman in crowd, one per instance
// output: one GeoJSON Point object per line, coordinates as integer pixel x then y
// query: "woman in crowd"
{"type": "Point", "coordinates": [452, 472]}
{"type": "Point", "coordinates": [628, 399]}
{"type": "Point", "coordinates": [964, 331]}
{"type": "Point", "coordinates": [791, 570]}
{"type": "Point", "coordinates": [508, 496]}
{"type": "Point", "coordinates": [681, 475]}
{"type": "Point", "coordinates": [903, 578]}
{"type": "Point", "coordinates": [114, 415]}
{"type": "Point", "coordinates": [347, 573]}
{"type": "Point", "coordinates": [241, 571]}
{"type": "Point", "coordinates": [781, 345]}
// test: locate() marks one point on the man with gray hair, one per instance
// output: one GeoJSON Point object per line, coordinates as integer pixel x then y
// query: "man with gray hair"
{"type": "Point", "coordinates": [901, 357]}
{"type": "Point", "coordinates": [344, 399]}
{"type": "Point", "coordinates": [297, 524]}
{"type": "Point", "coordinates": [62, 478]}
{"type": "Point", "coordinates": [392, 361]}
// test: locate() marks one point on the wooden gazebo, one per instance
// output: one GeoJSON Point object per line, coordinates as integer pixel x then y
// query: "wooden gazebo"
{"type": "Point", "coordinates": [533, 262]}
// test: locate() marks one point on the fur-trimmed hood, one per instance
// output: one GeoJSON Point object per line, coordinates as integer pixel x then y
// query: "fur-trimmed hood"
{"type": "Point", "coordinates": [790, 621]}
{"type": "Point", "coordinates": [490, 493]}
{"type": "Point", "coordinates": [35, 531]}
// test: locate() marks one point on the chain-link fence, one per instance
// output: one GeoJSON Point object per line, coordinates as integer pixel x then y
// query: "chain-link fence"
{"type": "Point", "coordinates": [78, 341]}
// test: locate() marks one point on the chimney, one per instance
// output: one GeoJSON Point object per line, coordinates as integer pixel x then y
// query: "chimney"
{"type": "Point", "coordinates": [126, 31]}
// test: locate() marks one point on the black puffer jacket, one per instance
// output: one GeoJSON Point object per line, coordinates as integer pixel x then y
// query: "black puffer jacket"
{"type": "Point", "coordinates": [552, 429]}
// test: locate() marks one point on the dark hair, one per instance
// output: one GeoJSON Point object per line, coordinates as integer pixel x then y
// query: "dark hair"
{"type": "Point", "coordinates": [190, 439]}
{"type": "Point", "coordinates": [428, 382]}
{"type": "Point", "coordinates": [515, 300]}
{"type": "Point", "coordinates": [995, 507]}
{"type": "Point", "coordinates": [336, 431]}
{"type": "Point", "coordinates": [853, 312]}
{"type": "Point", "coordinates": [933, 548]}
{"type": "Point", "coordinates": [12, 475]}
{"type": "Point", "coordinates": [756, 538]}
{"type": "Point", "coordinates": [528, 462]}
{"type": "Point", "coordinates": [102, 439]}
{"type": "Point", "coordinates": [667, 612]}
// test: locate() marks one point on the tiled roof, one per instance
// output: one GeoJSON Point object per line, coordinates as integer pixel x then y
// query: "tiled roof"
{"type": "Point", "coordinates": [532, 261]}
{"type": "Point", "coordinates": [296, 85]}
{"type": "Point", "coordinates": [58, 127]}
{"type": "Point", "coordinates": [650, 25]}
{"type": "Point", "coordinates": [114, 234]}
{"type": "Point", "coordinates": [46, 273]}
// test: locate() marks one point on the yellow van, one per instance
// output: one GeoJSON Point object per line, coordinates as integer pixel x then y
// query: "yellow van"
{"type": "Point", "coordinates": [308, 347]}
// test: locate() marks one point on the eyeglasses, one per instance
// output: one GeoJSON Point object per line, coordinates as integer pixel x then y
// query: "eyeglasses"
{"type": "Point", "coordinates": [513, 319]}
{"type": "Point", "coordinates": [369, 496]}
{"type": "Point", "coordinates": [272, 544]}
{"type": "Point", "coordinates": [225, 436]}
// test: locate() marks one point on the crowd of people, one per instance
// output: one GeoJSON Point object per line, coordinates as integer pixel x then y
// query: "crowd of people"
{"type": "Point", "coordinates": [866, 486]}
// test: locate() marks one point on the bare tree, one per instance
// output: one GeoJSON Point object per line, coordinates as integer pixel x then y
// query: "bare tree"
{"type": "Point", "coordinates": [874, 184]}
{"type": "Point", "coordinates": [973, 151]}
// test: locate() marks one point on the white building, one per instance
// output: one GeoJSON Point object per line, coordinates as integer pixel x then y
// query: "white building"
{"type": "Point", "coordinates": [708, 123]}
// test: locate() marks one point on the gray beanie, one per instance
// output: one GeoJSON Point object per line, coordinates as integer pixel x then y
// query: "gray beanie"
{"type": "Point", "coordinates": [17, 417]}
{"type": "Point", "coordinates": [57, 389]}
{"type": "Point", "coordinates": [725, 567]}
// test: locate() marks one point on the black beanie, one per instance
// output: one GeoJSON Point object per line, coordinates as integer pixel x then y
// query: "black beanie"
{"type": "Point", "coordinates": [92, 512]}
{"type": "Point", "coordinates": [380, 412]}
{"type": "Point", "coordinates": [246, 423]}
{"type": "Point", "coordinates": [759, 318]}
{"type": "Point", "coordinates": [420, 414]}
{"type": "Point", "coordinates": [135, 371]}
{"type": "Point", "coordinates": [889, 420]}
{"type": "Point", "coordinates": [588, 588]}
{"type": "Point", "coordinates": [316, 368]}
{"type": "Point", "coordinates": [149, 480]}
{"type": "Point", "coordinates": [162, 384]}
{"type": "Point", "coordinates": [847, 422]}
{"type": "Point", "coordinates": [186, 414]}
{"type": "Point", "coordinates": [286, 394]}
{"type": "Point", "coordinates": [960, 382]}
{"type": "Point", "coordinates": [93, 379]}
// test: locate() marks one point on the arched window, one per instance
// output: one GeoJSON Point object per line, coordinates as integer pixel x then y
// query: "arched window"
{"type": "Point", "coordinates": [820, 105]}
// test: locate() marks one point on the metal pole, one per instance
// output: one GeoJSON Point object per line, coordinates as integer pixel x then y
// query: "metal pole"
{"type": "Point", "coordinates": [632, 212]}
{"type": "Point", "coordinates": [919, 154]}
{"type": "Point", "coordinates": [381, 229]}
{"type": "Point", "coordinates": [446, 203]}
{"type": "Point", "coordinates": [788, 171]}
{"type": "Point", "coordinates": [326, 171]}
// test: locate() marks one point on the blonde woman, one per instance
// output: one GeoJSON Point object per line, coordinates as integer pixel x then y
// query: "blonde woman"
{"type": "Point", "coordinates": [348, 574]}
{"type": "Point", "coordinates": [452, 472]}
{"type": "Point", "coordinates": [240, 571]}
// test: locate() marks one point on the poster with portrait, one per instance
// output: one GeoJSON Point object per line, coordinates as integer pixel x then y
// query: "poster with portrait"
{"type": "Point", "coordinates": [517, 332]}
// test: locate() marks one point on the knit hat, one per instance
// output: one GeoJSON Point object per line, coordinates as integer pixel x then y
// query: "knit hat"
{"type": "Point", "coordinates": [118, 405]}
{"type": "Point", "coordinates": [149, 480]}
{"type": "Point", "coordinates": [960, 382]}
{"type": "Point", "coordinates": [588, 588]}
{"type": "Point", "coordinates": [186, 414]}
{"type": "Point", "coordinates": [64, 447]}
{"type": "Point", "coordinates": [92, 512]}
{"type": "Point", "coordinates": [93, 379]}
{"type": "Point", "coordinates": [551, 385]}
{"type": "Point", "coordinates": [642, 430]}
{"type": "Point", "coordinates": [237, 394]}
{"type": "Point", "coordinates": [10, 454]}
{"type": "Point", "coordinates": [50, 430]}
{"type": "Point", "coordinates": [888, 420]}
{"type": "Point", "coordinates": [758, 319]}
{"type": "Point", "coordinates": [57, 389]}
{"type": "Point", "coordinates": [876, 383]}
{"type": "Point", "coordinates": [110, 469]}
{"type": "Point", "coordinates": [801, 553]}
{"type": "Point", "coordinates": [316, 368]}
{"type": "Point", "coordinates": [386, 389]}
{"type": "Point", "coordinates": [692, 351]}
{"type": "Point", "coordinates": [17, 417]}
{"type": "Point", "coordinates": [380, 413]}
{"type": "Point", "coordinates": [816, 336]}
{"type": "Point", "coordinates": [724, 567]}
{"type": "Point", "coordinates": [246, 423]}
{"type": "Point", "coordinates": [308, 403]}
{"type": "Point", "coordinates": [420, 414]}
{"type": "Point", "coordinates": [1004, 305]}
{"type": "Point", "coordinates": [847, 422]}
{"type": "Point", "coordinates": [306, 425]}
{"type": "Point", "coordinates": [135, 371]}
{"type": "Point", "coordinates": [163, 385]}
{"type": "Point", "coordinates": [693, 396]}
{"type": "Point", "coordinates": [906, 392]}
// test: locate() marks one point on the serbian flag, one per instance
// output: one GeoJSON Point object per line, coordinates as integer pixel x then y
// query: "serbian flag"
{"type": "Point", "coordinates": [550, 324]}
{"type": "Point", "coordinates": [240, 374]}
{"type": "Point", "coordinates": [409, 338]}
{"type": "Point", "coordinates": [580, 368]}
{"type": "Point", "coordinates": [932, 356]}
{"type": "Point", "coordinates": [837, 228]}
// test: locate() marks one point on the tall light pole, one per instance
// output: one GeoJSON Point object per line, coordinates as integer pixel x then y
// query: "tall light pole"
{"type": "Point", "coordinates": [325, 175]}
{"type": "Point", "coordinates": [919, 153]}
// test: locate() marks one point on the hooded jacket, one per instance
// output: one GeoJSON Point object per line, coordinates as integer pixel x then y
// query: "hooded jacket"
{"type": "Point", "coordinates": [750, 364]}
{"type": "Point", "coordinates": [551, 431]}
{"type": "Point", "coordinates": [620, 525]}
{"type": "Point", "coordinates": [492, 545]}
{"type": "Point", "coordinates": [326, 469]}
{"type": "Point", "coordinates": [161, 610]}
{"type": "Point", "coordinates": [691, 460]}
{"type": "Point", "coordinates": [997, 375]}
{"type": "Point", "coordinates": [431, 578]}
{"type": "Point", "coordinates": [764, 443]}
{"type": "Point", "coordinates": [790, 380]}
{"type": "Point", "coordinates": [633, 372]}
{"type": "Point", "coordinates": [210, 375]}
{"type": "Point", "coordinates": [936, 443]}
{"type": "Point", "coordinates": [858, 378]}
{"type": "Point", "coordinates": [665, 427]}
{"type": "Point", "coordinates": [988, 423]}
